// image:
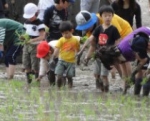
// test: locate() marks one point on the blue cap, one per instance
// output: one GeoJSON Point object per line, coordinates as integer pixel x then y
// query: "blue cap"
{"type": "Point", "coordinates": [85, 20]}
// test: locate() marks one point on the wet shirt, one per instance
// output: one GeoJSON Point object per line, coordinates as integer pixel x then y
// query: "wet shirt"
{"type": "Point", "coordinates": [108, 36]}
{"type": "Point", "coordinates": [53, 18]}
{"type": "Point", "coordinates": [125, 44]}
{"type": "Point", "coordinates": [8, 29]}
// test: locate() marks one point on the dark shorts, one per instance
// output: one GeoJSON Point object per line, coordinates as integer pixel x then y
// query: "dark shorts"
{"type": "Point", "coordinates": [11, 54]}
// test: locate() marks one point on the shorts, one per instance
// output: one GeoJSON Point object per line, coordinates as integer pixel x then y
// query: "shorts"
{"type": "Point", "coordinates": [29, 59]}
{"type": "Point", "coordinates": [11, 54]}
{"type": "Point", "coordinates": [65, 69]}
{"type": "Point", "coordinates": [99, 68]}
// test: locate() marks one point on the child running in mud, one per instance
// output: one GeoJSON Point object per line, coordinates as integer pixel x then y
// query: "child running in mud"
{"type": "Point", "coordinates": [36, 30]}
{"type": "Point", "coordinates": [135, 46]}
{"type": "Point", "coordinates": [67, 47]}
{"type": "Point", "coordinates": [104, 35]}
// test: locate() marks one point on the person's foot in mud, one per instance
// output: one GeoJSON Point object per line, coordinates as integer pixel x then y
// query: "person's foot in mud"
{"type": "Point", "coordinates": [99, 85]}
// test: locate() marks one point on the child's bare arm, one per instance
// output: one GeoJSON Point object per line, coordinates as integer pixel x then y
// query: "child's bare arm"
{"type": "Point", "coordinates": [117, 41]}
{"type": "Point", "coordinates": [56, 52]}
{"type": "Point", "coordinates": [92, 47]}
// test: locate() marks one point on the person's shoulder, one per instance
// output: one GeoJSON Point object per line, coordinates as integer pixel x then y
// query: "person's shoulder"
{"type": "Point", "coordinates": [51, 8]}
{"type": "Point", "coordinates": [35, 22]}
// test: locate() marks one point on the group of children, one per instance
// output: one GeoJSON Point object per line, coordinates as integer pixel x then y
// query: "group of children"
{"type": "Point", "coordinates": [110, 37]}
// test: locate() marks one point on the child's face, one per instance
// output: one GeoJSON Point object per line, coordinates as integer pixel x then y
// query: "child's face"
{"type": "Point", "coordinates": [67, 34]}
{"type": "Point", "coordinates": [107, 17]}
{"type": "Point", "coordinates": [48, 56]}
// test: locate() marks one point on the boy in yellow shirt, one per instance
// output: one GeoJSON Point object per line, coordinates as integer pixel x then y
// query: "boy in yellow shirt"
{"type": "Point", "coordinates": [67, 47]}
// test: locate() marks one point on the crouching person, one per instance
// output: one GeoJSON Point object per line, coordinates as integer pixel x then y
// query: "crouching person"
{"type": "Point", "coordinates": [44, 52]}
{"type": "Point", "coordinates": [67, 47]}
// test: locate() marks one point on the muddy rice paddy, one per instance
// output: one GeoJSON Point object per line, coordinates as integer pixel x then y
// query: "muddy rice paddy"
{"type": "Point", "coordinates": [40, 102]}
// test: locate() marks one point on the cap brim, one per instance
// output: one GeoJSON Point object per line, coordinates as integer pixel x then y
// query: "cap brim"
{"type": "Point", "coordinates": [28, 16]}
{"type": "Point", "coordinates": [88, 24]}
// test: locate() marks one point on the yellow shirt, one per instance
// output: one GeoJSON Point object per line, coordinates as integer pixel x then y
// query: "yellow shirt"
{"type": "Point", "coordinates": [122, 25]}
{"type": "Point", "coordinates": [68, 48]}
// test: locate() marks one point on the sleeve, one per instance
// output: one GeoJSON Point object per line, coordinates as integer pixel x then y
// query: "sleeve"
{"type": "Point", "coordinates": [116, 34]}
{"type": "Point", "coordinates": [138, 16]}
{"type": "Point", "coordinates": [2, 34]}
{"type": "Point", "coordinates": [47, 16]}
{"type": "Point", "coordinates": [59, 43]}
{"type": "Point", "coordinates": [96, 32]}
{"type": "Point", "coordinates": [117, 22]}
{"type": "Point", "coordinates": [41, 26]}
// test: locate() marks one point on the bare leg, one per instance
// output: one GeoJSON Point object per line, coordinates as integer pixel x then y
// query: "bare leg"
{"type": "Point", "coordinates": [10, 71]}
{"type": "Point", "coordinates": [106, 83]}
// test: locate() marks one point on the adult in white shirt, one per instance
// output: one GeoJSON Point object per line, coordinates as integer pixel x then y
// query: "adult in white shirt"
{"type": "Point", "coordinates": [43, 5]}
{"type": "Point", "coordinates": [90, 5]}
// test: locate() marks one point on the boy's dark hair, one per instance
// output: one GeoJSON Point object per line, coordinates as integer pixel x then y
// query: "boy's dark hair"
{"type": "Point", "coordinates": [65, 26]}
{"type": "Point", "coordinates": [106, 8]}
{"type": "Point", "coordinates": [58, 1]}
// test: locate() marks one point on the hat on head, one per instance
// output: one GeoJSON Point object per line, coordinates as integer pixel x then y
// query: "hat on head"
{"type": "Point", "coordinates": [42, 49]}
{"type": "Point", "coordinates": [30, 10]}
{"type": "Point", "coordinates": [85, 20]}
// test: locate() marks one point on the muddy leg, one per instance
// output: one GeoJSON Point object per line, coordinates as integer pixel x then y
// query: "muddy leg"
{"type": "Point", "coordinates": [106, 83]}
{"type": "Point", "coordinates": [99, 84]}
{"type": "Point", "coordinates": [29, 77]}
{"type": "Point", "coordinates": [64, 81]}
{"type": "Point", "coordinates": [51, 77]}
{"type": "Point", "coordinates": [59, 81]}
{"type": "Point", "coordinates": [70, 82]}
{"type": "Point", "coordinates": [146, 89]}
{"type": "Point", "coordinates": [137, 86]}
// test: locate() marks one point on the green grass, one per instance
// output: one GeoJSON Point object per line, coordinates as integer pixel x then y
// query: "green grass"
{"type": "Point", "coordinates": [34, 104]}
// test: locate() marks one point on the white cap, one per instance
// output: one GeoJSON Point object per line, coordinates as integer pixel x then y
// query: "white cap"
{"type": "Point", "coordinates": [29, 10]}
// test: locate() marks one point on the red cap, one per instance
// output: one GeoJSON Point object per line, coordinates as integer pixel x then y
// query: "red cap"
{"type": "Point", "coordinates": [42, 49]}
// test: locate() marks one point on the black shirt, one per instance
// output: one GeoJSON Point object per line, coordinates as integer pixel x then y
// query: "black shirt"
{"type": "Point", "coordinates": [53, 18]}
{"type": "Point", "coordinates": [2, 3]}
{"type": "Point", "coordinates": [110, 34]}
{"type": "Point", "coordinates": [128, 14]}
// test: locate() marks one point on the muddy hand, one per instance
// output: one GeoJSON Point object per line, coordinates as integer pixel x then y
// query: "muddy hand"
{"type": "Point", "coordinates": [85, 62]}
{"type": "Point", "coordinates": [78, 56]}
